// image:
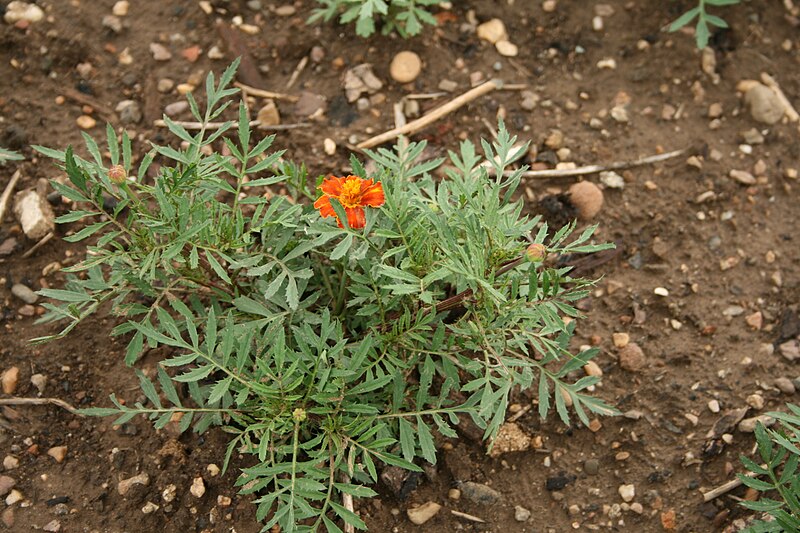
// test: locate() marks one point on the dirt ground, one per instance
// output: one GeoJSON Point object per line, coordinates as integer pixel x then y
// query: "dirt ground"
{"type": "Point", "coordinates": [722, 256]}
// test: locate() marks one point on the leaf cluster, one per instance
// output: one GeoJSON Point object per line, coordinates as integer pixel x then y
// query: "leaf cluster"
{"type": "Point", "coordinates": [324, 352]}
{"type": "Point", "coordinates": [704, 18]}
{"type": "Point", "coordinates": [780, 452]}
{"type": "Point", "coordinates": [407, 17]}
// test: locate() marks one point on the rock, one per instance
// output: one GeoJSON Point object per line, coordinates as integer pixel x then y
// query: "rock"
{"type": "Point", "coordinates": [405, 67]}
{"type": "Point", "coordinates": [213, 470]}
{"type": "Point", "coordinates": [176, 108]}
{"type": "Point", "coordinates": [112, 23]}
{"type": "Point", "coordinates": [510, 438]}
{"type": "Point", "coordinates": [215, 53]}
{"type": "Point", "coordinates": [423, 513]}
{"type": "Point", "coordinates": [53, 526]}
{"type": "Point", "coordinates": [124, 486]}
{"type": "Point", "coordinates": [587, 199]}
{"type": "Point", "coordinates": [631, 358]}
{"type": "Point", "coordinates": [627, 492]}
{"type": "Point", "coordinates": [24, 293]}
{"type": "Point", "coordinates": [8, 517]}
{"type": "Point", "coordinates": [752, 136]}
{"type": "Point", "coordinates": [529, 100]}
{"type": "Point", "coordinates": [160, 52]}
{"type": "Point", "coordinates": [591, 467]}
{"type": "Point", "coordinates": [149, 508]}
{"type": "Point", "coordinates": [23, 11]}
{"type": "Point", "coordinates": [169, 492]}
{"type": "Point", "coordinates": [317, 54]}
{"type": "Point", "coordinates": [620, 340]}
{"type": "Point", "coordinates": [165, 85]}
{"type": "Point", "coordinates": [548, 6]}
{"type": "Point", "coordinates": [14, 496]}
{"type": "Point", "coordinates": [192, 53]}
{"type": "Point", "coordinates": [360, 79]}
{"type": "Point", "coordinates": [492, 31]}
{"type": "Point", "coordinates": [6, 484]}
{"type": "Point", "coordinates": [268, 115]}
{"type": "Point", "coordinates": [785, 385]}
{"type": "Point", "coordinates": [558, 482]}
{"type": "Point", "coordinates": [454, 494]}
{"type": "Point", "coordinates": [755, 321]}
{"type": "Point", "coordinates": [59, 453]}
{"type": "Point", "coordinates": [608, 63]}
{"type": "Point", "coordinates": [198, 487]}
{"type": "Point", "coordinates": [9, 380]}
{"type": "Point", "coordinates": [612, 180]}
{"type": "Point", "coordinates": [743, 177]}
{"type": "Point", "coordinates": [448, 86]}
{"type": "Point", "coordinates": [620, 114]}
{"type": "Point", "coordinates": [285, 10]}
{"type": "Point", "coordinates": [506, 48]}
{"type": "Point", "coordinates": [7, 246]}
{"type": "Point", "coordinates": [713, 405]}
{"type": "Point", "coordinates": [129, 112]}
{"type": "Point", "coordinates": [34, 214]}
{"type": "Point", "coordinates": [748, 425]}
{"type": "Point", "coordinates": [521, 514]}
{"type": "Point", "coordinates": [756, 401]}
{"type": "Point", "coordinates": [120, 8]}
{"type": "Point", "coordinates": [790, 350]}
{"type": "Point", "coordinates": [593, 369]}
{"type": "Point", "coordinates": [309, 104]}
{"type": "Point", "coordinates": [329, 146]}
{"type": "Point", "coordinates": [224, 501]}
{"type": "Point", "coordinates": [85, 122]}
{"type": "Point", "coordinates": [479, 493]}
{"type": "Point", "coordinates": [765, 106]}
{"type": "Point", "coordinates": [10, 462]}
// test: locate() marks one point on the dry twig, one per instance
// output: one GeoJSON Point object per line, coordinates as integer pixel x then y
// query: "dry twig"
{"type": "Point", "coordinates": [39, 401]}
{"type": "Point", "coordinates": [465, 516]}
{"type": "Point", "coordinates": [593, 169]}
{"type": "Point", "coordinates": [726, 487]}
{"type": "Point", "coordinates": [434, 115]}
{"type": "Point", "coordinates": [234, 124]}
{"type": "Point", "coordinates": [297, 70]}
{"type": "Point", "coordinates": [44, 240]}
{"type": "Point", "coordinates": [255, 91]}
{"type": "Point", "coordinates": [4, 199]}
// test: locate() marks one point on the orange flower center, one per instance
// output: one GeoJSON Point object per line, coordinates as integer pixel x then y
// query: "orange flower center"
{"type": "Point", "coordinates": [351, 193]}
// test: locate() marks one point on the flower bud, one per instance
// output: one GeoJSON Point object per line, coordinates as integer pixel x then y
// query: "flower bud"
{"type": "Point", "coordinates": [536, 253]}
{"type": "Point", "coordinates": [299, 415]}
{"type": "Point", "coordinates": [117, 174]}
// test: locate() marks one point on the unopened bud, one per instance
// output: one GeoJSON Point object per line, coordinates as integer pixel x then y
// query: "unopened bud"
{"type": "Point", "coordinates": [299, 415]}
{"type": "Point", "coordinates": [536, 253]}
{"type": "Point", "coordinates": [117, 174]}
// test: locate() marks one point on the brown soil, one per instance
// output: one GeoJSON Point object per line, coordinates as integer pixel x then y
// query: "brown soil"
{"type": "Point", "coordinates": [655, 219]}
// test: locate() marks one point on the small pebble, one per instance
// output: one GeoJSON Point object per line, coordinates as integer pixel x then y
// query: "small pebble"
{"type": "Point", "coordinates": [748, 425]}
{"type": "Point", "coordinates": [6, 484]}
{"type": "Point", "coordinates": [587, 199]}
{"type": "Point", "coordinates": [713, 406]}
{"type": "Point", "coordinates": [627, 492]}
{"type": "Point", "coordinates": [454, 494]}
{"type": "Point", "coordinates": [620, 340]}
{"type": "Point", "coordinates": [521, 514]}
{"type": "Point", "coordinates": [149, 508]}
{"type": "Point", "coordinates": [198, 488]}
{"type": "Point", "coordinates": [160, 52]}
{"type": "Point", "coordinates": [120, 8]}
{"type": "Point", "coordinates": [24, 293]}
{"type": "Point", "coordinates": [53, 526]}
{"type": "Point", "coordinates": [591, 467]}
{"type": "Point", "coordinates": [59, 453]}
{"type": "Point", "coordinates": [423, 513]}
{"type": "Point", "coordinates": [9, 380]}
{"type": "Point", "coordinates": [10, 462]}
{"type": "Point", "coordinates": [405, 67]}
{"type": "Point", "coordinates": [85, 122]}
{"type": "Point", "coordinates": [756, 401]}
{"type": "Point", "coordinates": [14, 496]}
{"type": "Point", "coordinates": [492, 31]}
{"type": "Point", "coordinates": [506, 48]}
{"type": "Point", "coordinates": [785, 385]}
{"type": "Point", "coordinates": [631, 358]}
{"type": "Point", "coordinates": [124, 486]}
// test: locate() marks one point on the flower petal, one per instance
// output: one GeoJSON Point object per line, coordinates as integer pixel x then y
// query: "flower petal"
{"type": "Point", "coordinates": [325, 207]}
{"type": "Point", "coordinates": [332, 186]}
{"type": "Point", "coordinates": [356, 218]}
{"type": "Point", "coordinates": [373, 196]}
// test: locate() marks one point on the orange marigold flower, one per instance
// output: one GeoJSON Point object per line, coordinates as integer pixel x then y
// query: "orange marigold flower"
{"type": "Point", "coordinates": [354, 194]}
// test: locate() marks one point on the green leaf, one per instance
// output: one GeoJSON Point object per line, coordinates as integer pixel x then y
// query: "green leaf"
{"type": "Point", "coordinates": [195, 374]}
{"type": "Point", "coordinates": [219, 389]}
{"type": "Point", "coordinates": [217, 267]}
{"type": "Point", "coordinates": [87, 231]}
{"type": "Point", "coordinates": [342, 248]}
{"type": "Point", "coordinates": [148, 388]}
{"type": "Point", "coordinates": [684, 19]}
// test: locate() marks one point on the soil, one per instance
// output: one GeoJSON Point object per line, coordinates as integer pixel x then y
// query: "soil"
{"type": "Point", "coordinates": [667, 239]}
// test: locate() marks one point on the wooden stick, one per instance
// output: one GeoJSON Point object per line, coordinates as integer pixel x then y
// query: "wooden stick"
{"type": "Point", "coordinates": [297, 70]}
{"type": "Point", "coordinates": [433, 116]}
{"type": "Point", "coordinates": [471, 518]}
{"type": "Point", "coordinates": [788, 108]}
{"type": "Point", "coordinates": [593, 169]}
{"type": "Point", "coordinates": [39, 401]}
{"type": "Point", "coordinates": [106, 112]}
{"type": "Point", "coordinates": [726, 487]}
{"type": "Point", "coordinates": [38, 245]}
{"type": "Point", "coordinates": [519, 414]}
{"type": "Point", "coordinates": [234, 124]}
{"type": "Point", "coordinates": [425, 96]}
{"type": "Point", "coordinates": [266, 94]}
{"type": "Point", "coordinates": [7, 194]}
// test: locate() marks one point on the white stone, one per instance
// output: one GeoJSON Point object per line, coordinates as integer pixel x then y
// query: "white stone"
{"type": "Point", "coordinates": [198, 487]}
{"type": "Point", "coordinates": [120, 8]}
{"type": "Point", "coordinates": [492, 31]}
{"type": "Point", "coordinates": [627, 492]}
{"type": "Point", "coordinates": [34, 214]}
{"type": "Point", "coordinates": [506, 48]}
{"type": "Point", "coordinates": [17, 11]}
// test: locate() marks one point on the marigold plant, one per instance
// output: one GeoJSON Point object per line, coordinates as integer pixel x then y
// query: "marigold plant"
{"type": "Point", "coordinates": [325, 350]}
